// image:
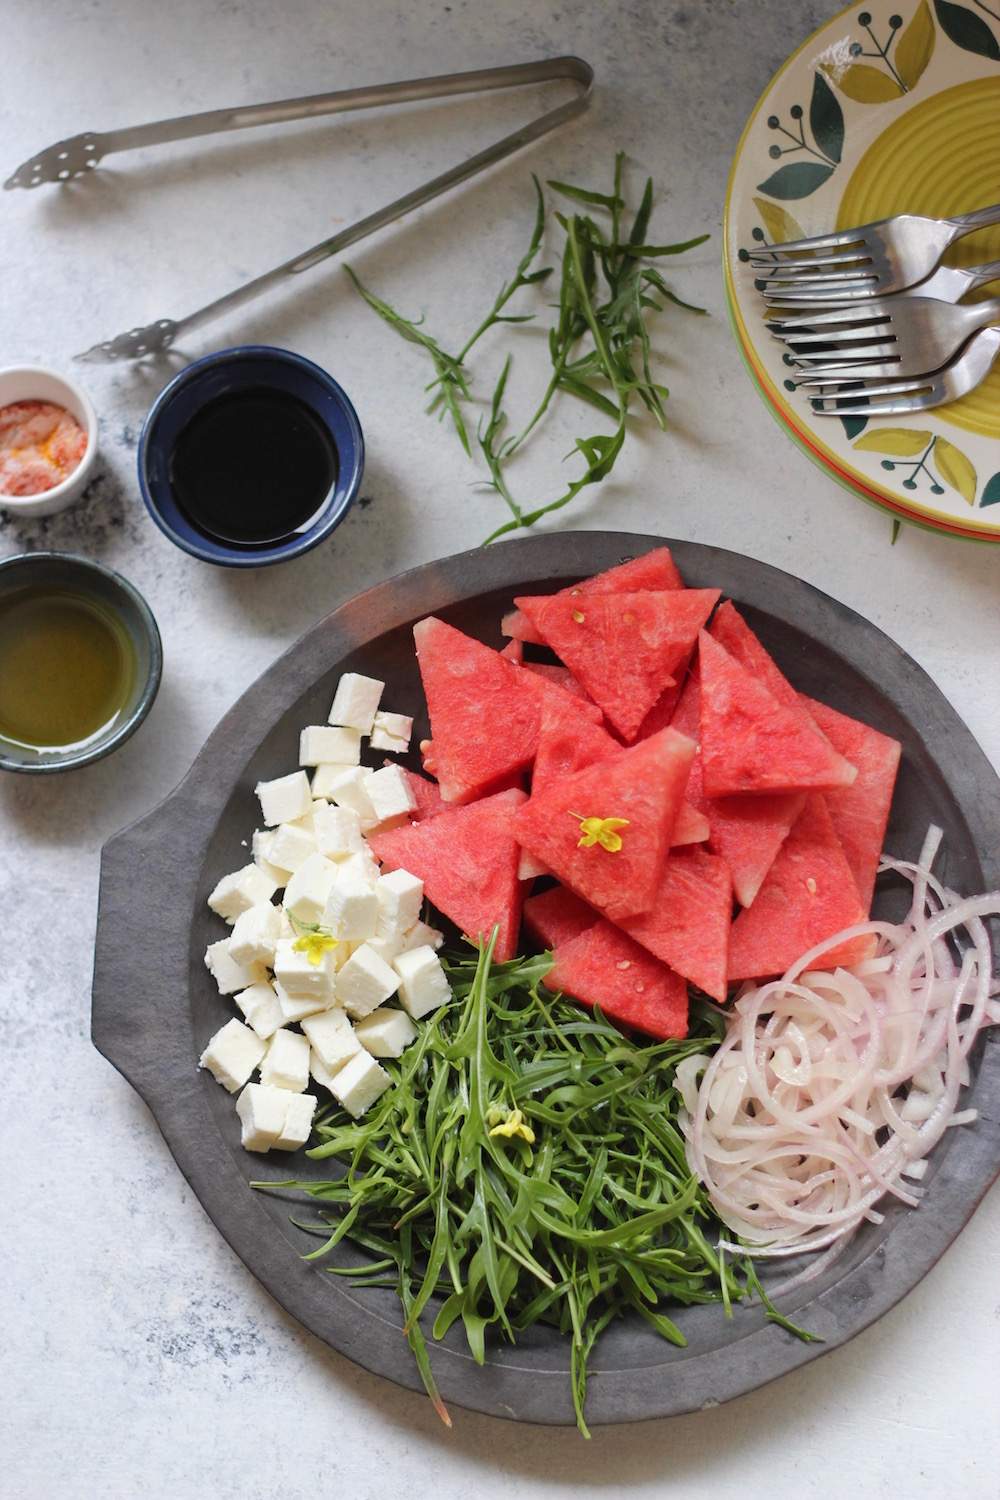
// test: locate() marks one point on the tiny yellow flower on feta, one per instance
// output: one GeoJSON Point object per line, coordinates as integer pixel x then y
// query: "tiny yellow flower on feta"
{"type": "Point", "coordinates": [510, 1123]}
{"type": "Point", "coordinates": [603, 831]}
{"type": "Point", "coordinates": [314, 945]}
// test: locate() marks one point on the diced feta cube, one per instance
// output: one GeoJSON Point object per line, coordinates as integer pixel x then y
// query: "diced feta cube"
{"type": "Point", "coordinates": [391, 732]}
{"type": "Point", "coordinates": [298, 1122]}
{"type": "Point", "coordinates": [421, 935]}
{"type": "Point", "coordinates": [400, 898]}
{"type": "Point", "coordinates": [365, 981]}
{"type": "Point", "coordinates": [348, 790]}
{"type": "Point", "coordinates": [286, 1065]}
{"type": "Point", "coordinates": [363, 864]}
{"type": "Point", "coordinates": [352, 906]}
{"type": "Point", "coordinates": [386, 1032]}
{"type": "Point", "coordinates": [331, 1037]}
{"type": "Point", "coordinates": [295, 1008]}
{"type": "Point", "coordinates": [387, 948]}
{"type": "Point", "coordinates": [323, 778]}
{"type": "Point", "coordinates": [262, 851]}
{"type": "Point", "coordinates": [262, 1111]}
{"type": "Point", "coordinates": [359, 1083]}
{"type": "Point", "coordinates": [284, 799]}
{"type": "Point", "coordinates": [299, 977]}
{"type": "Point", "coordinates": [259, 1004]}
{"type": "Point", "coordinates": [238, 892]}
{"type": "Point", "coordinates": [423, 984]}
{"type": "Point", "coordinates": [390, 794]}
{"type": "Point", "coordinates": [355, 702]}
{"type": "Point", "coordinates": [307, 890]}
{"type": "Point", "coordinates": [286, 930]}
{"type": "Point", "coordinates": [290, 846]}
{"type": "Point", "coordinates": [320, 744]}
{"type": "Point", "coordinates": [227, 973]}
{"type": "Point", "coordinates": [254, 934]}
{"type": "Point", "coordinates": [338, 831]}
{"type": "Point", "coordinates": [232, 1054]}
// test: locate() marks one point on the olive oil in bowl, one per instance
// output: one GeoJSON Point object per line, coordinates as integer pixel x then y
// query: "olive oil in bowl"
{"type": "Point", "coordinates": [80, 661]}
{"type": "Point", "coordinates": [67, 669]}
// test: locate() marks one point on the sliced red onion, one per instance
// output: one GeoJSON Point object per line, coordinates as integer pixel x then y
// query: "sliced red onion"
{"type": "Point", "coordinates": [831, 1088]}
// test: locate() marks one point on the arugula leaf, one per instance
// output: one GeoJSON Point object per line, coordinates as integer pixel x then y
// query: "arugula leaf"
{"type": "Point", "coordinates": [599, 343]}
{"type": "Point", "coordinates": [599, 1217]}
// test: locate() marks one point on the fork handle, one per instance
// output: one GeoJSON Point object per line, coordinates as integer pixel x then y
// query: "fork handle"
{"type": "Point", "coordinates": [980, 218]}
{"type": "Point", "coordinates": [982, 275]}
{"type": "Point", "coordinates": [982, 314]}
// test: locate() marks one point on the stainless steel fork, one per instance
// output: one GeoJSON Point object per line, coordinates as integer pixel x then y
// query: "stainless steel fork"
{"type": "Point", "coordinates": [947, 284]}
{"type": "Point", "coordinates": [893, 398]}
{"type": "Point", "coordinates": [914, 334]}
{"type": "Point", "coordinates": [68, 159]}
{"type": "Point", "coordinates": [887, 255]}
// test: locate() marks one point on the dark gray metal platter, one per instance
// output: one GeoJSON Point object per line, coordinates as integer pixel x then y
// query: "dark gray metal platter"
{"type": "Point", "coordinates": [154, 1005]}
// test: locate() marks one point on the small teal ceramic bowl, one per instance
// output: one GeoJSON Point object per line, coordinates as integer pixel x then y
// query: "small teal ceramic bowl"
{"type": "Point", "coordinates": [31, 580]}
{"type": "Point", "coordinates": [250, 368]}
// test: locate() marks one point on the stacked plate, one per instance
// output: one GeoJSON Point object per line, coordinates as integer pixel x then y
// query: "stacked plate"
{"type": "Point", "coordinates": [885, 110]}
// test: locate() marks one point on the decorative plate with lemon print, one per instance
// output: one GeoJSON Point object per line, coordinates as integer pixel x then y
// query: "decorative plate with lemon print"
{"type": "Point", "coordinates": [889, 108]}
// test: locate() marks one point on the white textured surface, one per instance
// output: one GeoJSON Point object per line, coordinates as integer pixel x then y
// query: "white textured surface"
{"type": "Point", "coordinates": [140, 1356]}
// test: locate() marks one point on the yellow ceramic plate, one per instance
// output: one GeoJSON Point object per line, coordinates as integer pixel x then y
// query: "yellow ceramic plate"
{"type": "Point", "coordinates": [887, 109]}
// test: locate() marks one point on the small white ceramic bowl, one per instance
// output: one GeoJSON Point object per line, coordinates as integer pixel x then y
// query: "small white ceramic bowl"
{"type": "Point", "coordinates": [35, 383]}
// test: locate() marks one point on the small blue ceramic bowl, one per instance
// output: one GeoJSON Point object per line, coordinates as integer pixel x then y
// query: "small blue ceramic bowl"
{"type": "Point", "coordinates": [252, 366]}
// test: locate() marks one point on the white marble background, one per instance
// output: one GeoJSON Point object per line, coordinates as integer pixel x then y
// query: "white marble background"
{"type": "Point", "coordinates": [139, 1357]}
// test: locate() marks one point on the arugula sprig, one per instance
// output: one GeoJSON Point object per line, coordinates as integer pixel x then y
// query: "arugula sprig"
{"type": "Point", "coordinates": [597, 1216]}
{"type": "Point", "coordinates": [599, 344]}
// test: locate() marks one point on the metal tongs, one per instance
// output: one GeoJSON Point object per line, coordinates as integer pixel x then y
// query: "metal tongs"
{"type": "Point", "coordinates": [81, 153]}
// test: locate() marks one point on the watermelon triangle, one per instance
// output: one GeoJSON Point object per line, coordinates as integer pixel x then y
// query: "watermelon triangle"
{"type": "Point", "coordinates": [603, 966]}
{"type": "Point", "coordinates": [568, 742]}
{"type": "Point", "coordinates": [645, 786]}
{"type": "Point", "coordinates": [751, 742]}
{"type": "Point", "coordinates": [688, 926]}
{"type": "Point", "coordinates": [485, 711]}
{"type": "Point", "coordinates": [428, 797]}
{"type": "Point", "coordinates": [692, 827]}
{"type": "Point", "coordinates": [561, 676]}
{"type": "Point", "coordinates": [467, 858]}
{"type": "Point", "coordinates": [746, 830]}
{"type": "Point", "coordinates": [624, 649]}
{"type": "Point", "coordinates": [809, 895]}
{"type": "Point", "coordinates": [653, 570]}
{"type": "Point", "coordinates": [860, 812]}
{"type": "Point", "coordinates": [735, 636]}
{"type": "Point", "coordinates": [557, 915]}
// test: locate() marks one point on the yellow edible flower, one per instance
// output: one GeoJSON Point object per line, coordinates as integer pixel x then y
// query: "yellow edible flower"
{"type": "Point", "coordinates": [603, 831]}
{"type": "Point", "coordinates": [510, 1124]}
{"type": "Point", "coordinates": [314, 945]}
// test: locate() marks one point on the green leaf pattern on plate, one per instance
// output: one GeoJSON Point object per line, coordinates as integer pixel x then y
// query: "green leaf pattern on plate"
{"type": "Point", "coordinates": [955, 469]}
{"type": "Point", "coordinates": [915, 449]}
{"type": "Point", "coordinates": [967, 29]}
{"type": "Point", "coordinates": [826, 118]}
{"type": "Point", "coordinates": [916, 46]}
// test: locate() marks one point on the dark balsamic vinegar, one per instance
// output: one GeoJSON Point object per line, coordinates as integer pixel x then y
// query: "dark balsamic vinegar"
{"type": "Point", "coordinates": [253, 467]}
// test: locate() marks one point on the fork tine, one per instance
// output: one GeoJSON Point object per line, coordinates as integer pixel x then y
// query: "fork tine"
{"type": "Point", "coordinates": [850, 375]}
{"type": "Point", "coordinates": [885, 388]}
{"type": "Point", "coordinates": [821, 241]}
{"type": "Point", "coordinates": [860, 317]}
{"type": "Point", "coordinates": [803, 269]}
{"type": "Point", "coordinates": [821, 293]}
{"type": "Point", "coordinates": [837, 343]}
{"type": "Point", "coordinates": [852, 369]}
{"type": "Point", "coordinates": [897, 408]}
